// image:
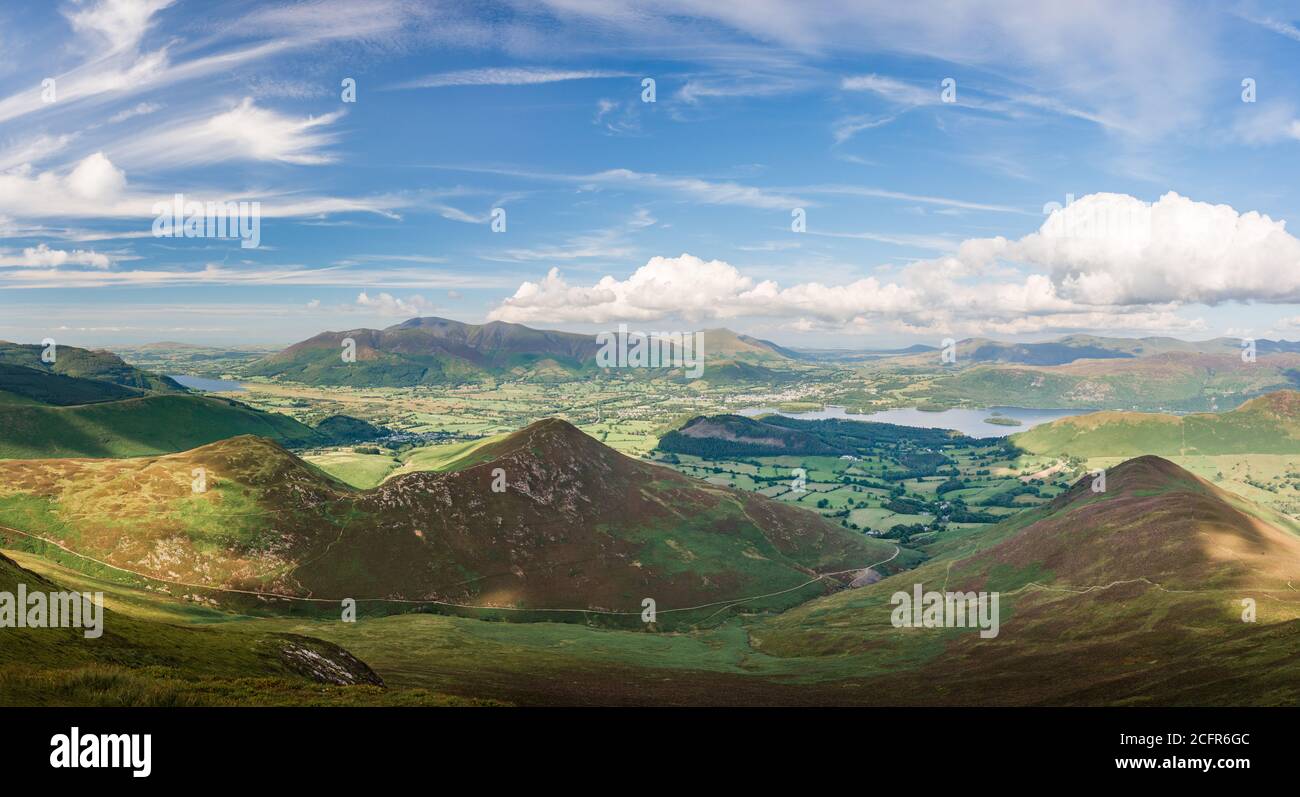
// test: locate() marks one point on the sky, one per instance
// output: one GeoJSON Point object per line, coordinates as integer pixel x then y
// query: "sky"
{"type": "Point", "coordinates": [829, 174]}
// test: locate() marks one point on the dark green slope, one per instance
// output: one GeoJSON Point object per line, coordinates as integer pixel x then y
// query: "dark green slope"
{"type": "Point", "coordinates": [156, 424]}
{"type": "Point", "coordinates": [70, 361]}
{"type": "Point", "coordinates": [20, 384]}
{"type": "Point", "coordinates": [143, 662]}
{"type": "Point", "coordinates": [776, 435]}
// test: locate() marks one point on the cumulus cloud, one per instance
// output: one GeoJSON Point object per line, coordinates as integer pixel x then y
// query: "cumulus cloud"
{"type": "Point", "coordinates": [1115, 249]}
{"type": "Point", "coordinates": [96, 178]}
{"type": "Point", "coordinates": [387, 304]}
{"type": "Point", "coordinates": [1105, 261]}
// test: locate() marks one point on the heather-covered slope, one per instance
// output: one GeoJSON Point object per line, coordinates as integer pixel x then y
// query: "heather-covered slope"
{"type": "Point", "coordinates": [1128, 596]}
{"type": "Point", "coordinates": [571, 525]}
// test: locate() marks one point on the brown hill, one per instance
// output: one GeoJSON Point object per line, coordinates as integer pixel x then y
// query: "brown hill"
{"type": "Point", "coordinates": [1132, 596]}
{"type": "Point", "coordinates": [571, 525]}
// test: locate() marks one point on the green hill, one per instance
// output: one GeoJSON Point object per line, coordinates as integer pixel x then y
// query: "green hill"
{"type": "Point", "coordinates": [573, 526]}
{"type": "Point", "coordinates": [1269, 424]}
{"type": "Point", "coordinates": [70, 361]}
{"type": "Point", "coordinates": [1128, 597]}
{"type": "Point", "coordinates": [20, 384]}
{"type": "Point", "coordinates": [155, 424]}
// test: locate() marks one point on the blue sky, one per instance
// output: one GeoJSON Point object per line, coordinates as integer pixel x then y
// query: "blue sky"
{"type": "Point", "coordinates": [925, 218]}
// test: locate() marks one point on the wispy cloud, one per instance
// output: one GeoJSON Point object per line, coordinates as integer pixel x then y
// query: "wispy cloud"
{"type": "Point", "coordinates": [245, 132]}
{"type": "Point", "coordinates": [504, 76]}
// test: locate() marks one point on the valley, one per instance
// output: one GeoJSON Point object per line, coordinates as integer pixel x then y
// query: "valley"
{"type": "Point", "coordinates": [508, 526]}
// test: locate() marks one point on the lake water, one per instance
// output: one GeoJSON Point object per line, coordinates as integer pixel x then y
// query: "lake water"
{"type": "Point", "coordinates": [209, 385]}
{"type": "Point", "coordinates": [968, 422]}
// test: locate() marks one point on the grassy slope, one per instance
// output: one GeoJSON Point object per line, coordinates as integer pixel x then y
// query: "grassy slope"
{"type": "Point", "coordinates": [37, 386]}
{"type": "Point", "coordinates": [579, 526]}
{"type": "Point", "coordinates": [1129, 644]}
{"type": "Point", "coordinates": [137, 427]}
{"type": "Point", "coordinates": [163, 654]}
{"type": "Point", "coordinates": [1132, 596]}
{"type": "Point", "coordinates": [72, 362]}
{"type": "Point", "coordinates": [1269, 424]}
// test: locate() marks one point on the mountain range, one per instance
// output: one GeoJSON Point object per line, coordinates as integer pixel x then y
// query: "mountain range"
{"type": "Point", "coordinates": [423, 351]}
{"type": "Point", "coordinates": [1073, 371]}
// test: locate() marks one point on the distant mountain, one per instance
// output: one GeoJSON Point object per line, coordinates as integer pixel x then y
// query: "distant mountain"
{"type": "Point", "coordinates": [574, 525]}
{"type": "Point", "coordinates": [1073, 348]}
{"type": "Point", "coordinates": [1269, 424]}
{"type": "Point", "coordinates": [860, 355]}
{"type": "Point", "coordinates": [1131, 596]}
{"type": "Point", "coordinates": [426, 351]}
{"type": "Point", "coordinates": [103, 366]}
{"type": "Point", "coordinates": [1181, 381]}
{"type": "Point", "coordinates": [723, 344]}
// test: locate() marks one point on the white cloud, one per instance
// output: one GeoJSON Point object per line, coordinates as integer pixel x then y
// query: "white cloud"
{"type": "Point", "coordinates": [697, 189]}
{"type": "Point", "coordinates": [1107, 261]}
{"type": "Point", "coordinates": [881, 193]}
{"type": "Point", "coordinates": [1115, 249]}
{"type": "Point", "coordinates": [1260, 123]}
{"type": "Point", "coordinates": [120, 24]}
{"type": "Point", "coordinates": [387, 304]}
{"type": "Point", "coordinates": [96, 178]}
{"type": "Point", "coordinates": [245, 132]}
{"type": "Point", "coordinates": [28, 152]}
{"type": "Point", "coordinates": [1152, 65]}
{"type": "Point", "coordinates": [217, 274]}
{"type": "Point", "coordinates": [95, 188]}
{"type": "Point", "coordinates": [895, 91]}
{"type": "Point", "coordinates": [139, 109]}
{"type": "Point", "coordinates": [504, 76]}
{"type": "Point", "coordinates": [43, 256]}
{"type": "Point", "coordinates": [114, 67]}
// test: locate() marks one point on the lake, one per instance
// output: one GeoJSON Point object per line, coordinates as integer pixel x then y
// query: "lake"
{"type": "Point", "coordinates": [205, 384]}
{"type": "Point", "coordinates": [967, 421]}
